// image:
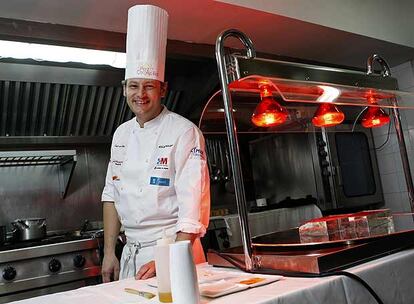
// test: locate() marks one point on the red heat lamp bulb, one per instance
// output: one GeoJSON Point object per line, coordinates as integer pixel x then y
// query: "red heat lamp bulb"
{"type": "Point", "coordinates": [374, 117]}
{"type": "Point", "coordinates": [268, 112]}
{"type": "Point", "coordinates": [327, 115]}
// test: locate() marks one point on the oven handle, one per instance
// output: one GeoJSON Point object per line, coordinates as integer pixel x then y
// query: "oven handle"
{"type": "Point", "coordinates": [338, 175]}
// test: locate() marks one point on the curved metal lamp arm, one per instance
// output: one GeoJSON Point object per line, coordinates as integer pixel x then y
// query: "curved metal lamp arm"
{"type": "Point", "coordinates": [220, 54]}
{"type": "Point", "coordinates": [247, 42]}
{"type": "Point", "coordinates": [232, 138]}
{"type": "Point", "coordinates": [384, 65]}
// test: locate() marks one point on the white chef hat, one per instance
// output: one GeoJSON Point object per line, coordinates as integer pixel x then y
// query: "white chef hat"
{"type": "Point", "coordinates": [146, 42]}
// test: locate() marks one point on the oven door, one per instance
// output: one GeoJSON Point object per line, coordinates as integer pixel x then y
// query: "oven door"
{"type": "Point", "coordinates": [355, 176]}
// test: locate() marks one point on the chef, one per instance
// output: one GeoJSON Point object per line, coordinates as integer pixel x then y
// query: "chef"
{"type": "Point", "coordinates": [157, 180]}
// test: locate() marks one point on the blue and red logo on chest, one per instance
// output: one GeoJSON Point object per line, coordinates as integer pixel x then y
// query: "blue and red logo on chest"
{"type": "Point", "coordinates": [162, 163]}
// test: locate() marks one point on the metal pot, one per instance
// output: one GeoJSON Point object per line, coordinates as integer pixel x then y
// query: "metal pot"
{"type": "Point", "coordinates": [29, 229]}
{"type": "Point", "coordinates": [88, 228]}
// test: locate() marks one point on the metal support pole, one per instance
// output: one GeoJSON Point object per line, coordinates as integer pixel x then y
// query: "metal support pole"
{"type": "Point", "coordinates": [398, 129]}
{"type": "Point", "coordinates": [403, 153]}
{"type": "Point", "coordinates": [233, 141]}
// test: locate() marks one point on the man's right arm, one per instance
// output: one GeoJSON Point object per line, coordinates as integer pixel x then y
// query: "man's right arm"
{"type": "Point", "coordinates": [112, 225]}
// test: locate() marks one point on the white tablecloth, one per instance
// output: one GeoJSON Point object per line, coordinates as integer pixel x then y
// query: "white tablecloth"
{"type": "Point", "coordinates": [390, 276]}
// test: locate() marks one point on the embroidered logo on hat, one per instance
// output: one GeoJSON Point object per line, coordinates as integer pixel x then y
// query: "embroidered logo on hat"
{"type": "Point", "coordinates": [147, 71]}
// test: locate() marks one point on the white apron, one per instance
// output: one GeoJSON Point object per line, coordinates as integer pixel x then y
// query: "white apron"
{"type": "Point", "coordinates": [136, 255]}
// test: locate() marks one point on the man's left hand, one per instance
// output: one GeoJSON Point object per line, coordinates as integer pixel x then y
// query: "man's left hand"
{"type": "Point", "coordinates": [146, 271]}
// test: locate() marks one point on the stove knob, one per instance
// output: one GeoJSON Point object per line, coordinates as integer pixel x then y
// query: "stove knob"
{"type": "Point", "coordinates": [9, 273]}
{"type": "Point", "coordinates": [226, 244]}
{"type": "Point", "coordinates": [325, 172]}
{"type": "Point", "coordinates": [324, 163]}
{"type": "Point", "coordinates": [323, 153]}
{"type": "Point", "coordinates": [79, 261]}
{"type": "Point", "coordinates": [54, 265]}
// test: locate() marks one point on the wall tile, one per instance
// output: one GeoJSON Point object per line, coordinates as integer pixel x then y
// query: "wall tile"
{"type": "Point", "coordinates": [405, 202]}
{"type": "Point", "coordinates": [393, 201]}
{"type": "Point", "coordinates": [390, 146]}
{"type": "Point", "coordinates": [403, 119]}
{"type": "Point", "coordinates": [401, 182]}
{"type": "Point", "coordinates": [405, 78]}
{"type": "Point", "coordinates": [407, 139]}
{"type": "Point", "coordinates": [407, 117]}
{"type": "Point", "coordinates": [408, 114]}
{"type": "Point", "coordinates": [384, 129]}
{"type": "Point", "coordinates": [386, 163]}
{"type": "Point", "coordinates": [390, 183]}
{"type": "Point", "coordinates": [410, 142]}
{"type": "Point", "coordinates": [397, 162]}
{"type": "Point", "coordinates": [410, 155]}
{"type": "Point", "coordinates": [400, 67]}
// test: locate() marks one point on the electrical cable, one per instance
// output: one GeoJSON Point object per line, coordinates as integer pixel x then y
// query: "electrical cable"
{"type": "Point", "coordinates": [386, 140]}
{"type": "Point", "coordinates": [361, 281]}
{"type": "Point", "coordinates": [356, 119]}
{"type": "Point", "coordinates": [388, 133]}
{"type": "Point", "coordinates": [295, 274]}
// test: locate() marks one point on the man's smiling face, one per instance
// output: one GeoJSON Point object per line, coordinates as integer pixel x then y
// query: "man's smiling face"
{"type": "Point", "coordinates": [144, 97]}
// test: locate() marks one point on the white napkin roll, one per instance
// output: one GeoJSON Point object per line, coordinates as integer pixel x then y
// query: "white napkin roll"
{"type": "Point", "coordinates": [184, 284]}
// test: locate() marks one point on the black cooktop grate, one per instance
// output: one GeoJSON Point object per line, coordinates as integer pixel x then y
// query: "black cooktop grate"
{"type": "Point", "coordinates": [50, 239]}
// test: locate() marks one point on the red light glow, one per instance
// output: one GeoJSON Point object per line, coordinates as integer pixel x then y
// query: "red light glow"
{"type": "Point", "coordinates": [375, 117]}
{"type": "Point", "coordinates": [268, 112]}
{"type": "Point", "coordinates": [327, 115]}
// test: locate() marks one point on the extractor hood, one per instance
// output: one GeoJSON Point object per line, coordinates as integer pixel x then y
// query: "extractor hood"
{"type": "Point", "coordinates": [47, 99]}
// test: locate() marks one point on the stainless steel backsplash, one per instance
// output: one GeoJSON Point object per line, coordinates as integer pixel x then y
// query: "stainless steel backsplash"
{"type": "Point", "coordinates": [33, 191]}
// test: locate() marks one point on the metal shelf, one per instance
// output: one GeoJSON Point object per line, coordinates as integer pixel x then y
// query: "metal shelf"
{"type": "Point", "coordinates": [65, 159]}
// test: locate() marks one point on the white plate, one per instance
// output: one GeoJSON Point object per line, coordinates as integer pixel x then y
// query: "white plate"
{"type": "Point", "coordinates": [237, 282]}
{"type": "Point", "coordinates": [216, 283]}
{"type": "Point", "coordinates": [221, 288]}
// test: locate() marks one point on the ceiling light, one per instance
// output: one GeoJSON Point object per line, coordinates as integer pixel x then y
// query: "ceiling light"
{"type": "Point", "coordinates": [44, 52]}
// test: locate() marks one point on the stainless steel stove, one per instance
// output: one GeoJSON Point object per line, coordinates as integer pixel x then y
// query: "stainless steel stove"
{"type": "Point", "coordinates": [56, 263]}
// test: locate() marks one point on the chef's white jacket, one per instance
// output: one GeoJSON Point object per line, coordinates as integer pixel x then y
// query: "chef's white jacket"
{"type": "Point", "coordinates": [158, 179]}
